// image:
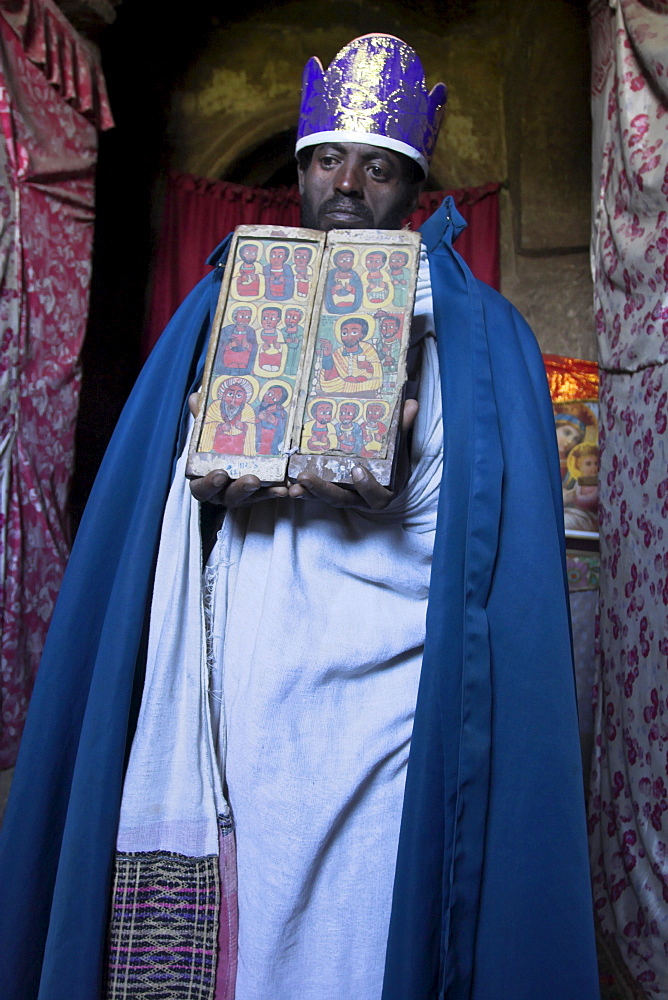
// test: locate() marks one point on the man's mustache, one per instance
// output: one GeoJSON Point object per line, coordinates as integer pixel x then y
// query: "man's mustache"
{"type": "Point", "coordinates": [351, 206]}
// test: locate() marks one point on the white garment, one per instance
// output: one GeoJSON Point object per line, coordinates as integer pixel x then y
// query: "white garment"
{"type": "Point", "coordinates": [319, 625]}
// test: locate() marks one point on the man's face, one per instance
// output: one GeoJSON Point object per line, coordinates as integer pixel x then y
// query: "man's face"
{"type": "Point", "coordinates": [278, 256]}
{"type": "Point", "coordinates": [302, 256]}
{"type": "Point", "coordinates": [270, 318]}
{"type": "Point", "coordinates": [249, 253]}
{"type": "Point", "coordinates": [353, 185]}
{"type": "Point", "coordinates": [242, 317]}
{"type": "Point", "coordinates": [348, 412]}
{"type": "Point", "coordinates": [398, 259]}
{"type": "Point", "coordinates": [292, 317]}
{"type": "Point", "coordinates": [234, 397]}
{"type": "Point", "coordinates": [388, 329]}
{"type": "Point", "coordinates": [344, 260]}
{"type": "Point", "coordinates": [374, 261]}
{"type": "Point", "coordinates": [351, 333]}
{"type": "Point", "coordinates": [374, 412]}
{"type": "Point", "coordinates": [323, 413]}
{"type": "Point", "coordinates": [272, 395]}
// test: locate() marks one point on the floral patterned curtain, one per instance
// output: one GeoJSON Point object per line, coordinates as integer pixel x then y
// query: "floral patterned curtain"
{"type": "Point", "coordinates": [629, 796]}
{"type": "Point", "coordinates": [52, 102]}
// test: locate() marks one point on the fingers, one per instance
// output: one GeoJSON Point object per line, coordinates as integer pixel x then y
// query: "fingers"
{"type": "Point", "coordinates": [409, 413]}
{"type": "Point", "coordinates": [217, 488]}
{"type": "Point", "coordinates": [193, 403]}
{"type": "Point", "coordinates": [370, 489]}
{"type": "Point", "coordinates": [367, 488]}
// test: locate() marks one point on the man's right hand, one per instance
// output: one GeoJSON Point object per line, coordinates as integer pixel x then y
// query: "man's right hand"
{"type": "Point", "coordinates": [218, 488]}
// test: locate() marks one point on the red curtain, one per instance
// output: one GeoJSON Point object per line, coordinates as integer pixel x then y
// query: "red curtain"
{"type": "Point", "coordinates": [198, 213]}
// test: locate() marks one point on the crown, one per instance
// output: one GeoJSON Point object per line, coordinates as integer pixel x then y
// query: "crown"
{"type": "Point", "coordinates": [373, 91]}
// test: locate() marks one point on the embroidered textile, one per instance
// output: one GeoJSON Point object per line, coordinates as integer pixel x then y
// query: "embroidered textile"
{"type": "Point", "coordinates": [47, 163]}
{"type": "Point", "coordinates": [164, 928]}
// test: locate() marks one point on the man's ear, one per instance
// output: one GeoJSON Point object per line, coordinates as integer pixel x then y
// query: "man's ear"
{"type": "Point", "coordinates": [300, 178]}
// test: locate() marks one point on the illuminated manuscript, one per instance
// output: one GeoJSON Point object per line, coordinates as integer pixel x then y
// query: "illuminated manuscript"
{"type": "Point", "coordinates": [307, 359]}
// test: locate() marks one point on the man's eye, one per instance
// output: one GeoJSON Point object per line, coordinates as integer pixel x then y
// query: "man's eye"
{"type": "Point", "coordinates": [377, 172]}
{"type": "Point", "coordinates": [328, 161]}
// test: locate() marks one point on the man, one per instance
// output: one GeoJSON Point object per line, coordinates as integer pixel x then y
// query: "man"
{"type": "Point", "coordinates": [343, 290]}
{"type": "Point", "coordinates": [293, 333]}
{"type": "Point", "coordinates": [388, 344]}
{"type": "Point", "coordinates": [271, 352]}
{"type": "Point", "coordinates": [298, 700]}
{"type": "Point", "coordinates": [377, 288]}
{"type": "Point", "coordinates": [238, 344]}
{"type": "Point", "coordinates": [319, 433]}
{"type": "Point", "coordinates": [353, 369]}
{"type": "Point", "coordinates": [278, 277]}
{"type": "Point", "coordinates": [271, 420]}
{"type": "Point", "coordinates": [226, 427]}
{"type": "Point", "coordinates": [248, 276]}
{"type": "Point", "coordinates": [303, 271]}
{"type": "Point", "coordinates": [399, 276]}
{"type": "Point", "coordinates": [348, 431]}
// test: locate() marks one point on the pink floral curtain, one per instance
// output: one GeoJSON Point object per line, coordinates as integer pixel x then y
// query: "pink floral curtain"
{"type": "Point", "coordinates": [629, 786]}
{"type": "Point", "coordinates": [52, 102]}
{"type": "Point", "coordinates": [198, 213]}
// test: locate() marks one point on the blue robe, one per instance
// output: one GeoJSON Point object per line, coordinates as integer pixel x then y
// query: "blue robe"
{"type": "Point", "coordinates": [491, 895]}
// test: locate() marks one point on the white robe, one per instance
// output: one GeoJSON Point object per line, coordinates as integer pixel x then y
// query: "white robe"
{"type": "Point", "coordinates": [319, 625]}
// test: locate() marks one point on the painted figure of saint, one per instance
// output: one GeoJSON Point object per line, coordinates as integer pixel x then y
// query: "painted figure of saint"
{"type": "Point", "coordinates": [374, 430]}
{"type": "Point", "coordinates": [348, 432]}
{"type": "Point", "coordinates": [303, 271]}
{"type": "Point", "coordinates": [319, 433]}
{"type": "Point", "coordinates": [272, 350]}
{"type": "Point", "coordinates": [353, 369]}
{"type": "Point", "coordinates": [271, 420]}
{"type": "Point", "coordinates": [229, 424]}
{"type": "Point", "coordinates": [399, 276]}
{"type": "Point", "coordinates": [343, 291]}
{"type": "Point", "coordinates": [279, 282]}
{"type": "Point", "coordinates": [377, 288]}
{"type": "Point", "coordinates": [248, 278]}
{"type": "Point", "coordinates": [237, 345]}
{"type": "Point", "coordinates": [388, 341]}
{"type": "Point", "coordinates": [293, 335]}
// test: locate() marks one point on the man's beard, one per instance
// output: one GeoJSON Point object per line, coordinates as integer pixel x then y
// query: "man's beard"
{"type": "Point", "coordinates": [311, 219]}
{"type": "Point", "coordinates": [230, 411]}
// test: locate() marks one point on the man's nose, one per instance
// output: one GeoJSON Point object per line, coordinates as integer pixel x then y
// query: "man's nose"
{"type": "Point", "coordinates": [349, 179]}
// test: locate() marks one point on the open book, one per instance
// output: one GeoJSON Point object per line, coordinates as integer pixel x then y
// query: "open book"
{"type": "Point", "coordinates": [307, 359]}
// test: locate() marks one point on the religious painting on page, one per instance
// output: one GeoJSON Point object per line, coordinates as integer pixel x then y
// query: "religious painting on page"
{"type": "Point", "coordinates": [307, 357]}
{"type": "Point", "coordinates": [251, 378]}
{"type": "Point", "coordinates": [356, 359]}
{"type": "Point", "coordinates": [574, 390]}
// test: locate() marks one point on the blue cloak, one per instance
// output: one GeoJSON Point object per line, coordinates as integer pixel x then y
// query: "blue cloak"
{"type": "Point", "coordinates": [491, 895]}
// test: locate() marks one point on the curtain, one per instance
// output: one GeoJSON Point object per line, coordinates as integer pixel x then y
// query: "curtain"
{"type": "Point", "coordinates": [52, 102]}
{"type": "Point", "coordinates": [198, 213]}
{"type": "Point", "coordinates": [629, 786]}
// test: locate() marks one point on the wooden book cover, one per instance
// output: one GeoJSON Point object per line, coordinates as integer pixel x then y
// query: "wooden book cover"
{"type": "Point", "coordinates": [307, 359]}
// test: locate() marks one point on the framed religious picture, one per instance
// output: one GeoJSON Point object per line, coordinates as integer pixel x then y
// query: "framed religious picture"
{"type": "Point", "coordinates": [307, 359]}
{"type": "Point", "coordinates": [574, 391]}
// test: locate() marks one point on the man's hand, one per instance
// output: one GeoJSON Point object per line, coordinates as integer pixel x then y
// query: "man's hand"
{"type": "Point", "coordinates": [367, 488]}
{"type": "Point", "coordinates": [217, 487]}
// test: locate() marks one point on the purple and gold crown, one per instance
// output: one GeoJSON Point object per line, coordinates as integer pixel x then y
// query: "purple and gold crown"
{"type": "Point", "coordinates": [373, 91]}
